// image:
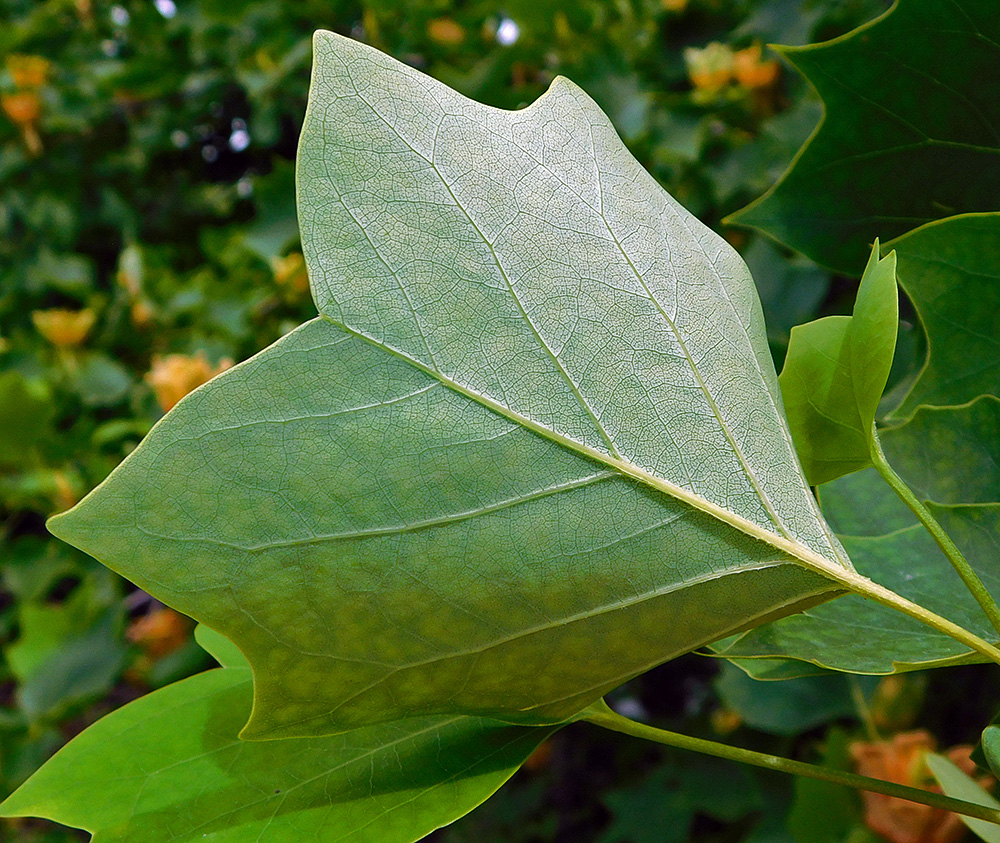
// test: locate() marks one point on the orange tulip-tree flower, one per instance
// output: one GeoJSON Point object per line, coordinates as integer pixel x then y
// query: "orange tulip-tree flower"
{"type": "Point", "coordinates": [24, 106]}
{"type": "Point", "coordinates": [174, 375]}
{"type": "Point", "coordinates": [711, 68]}
{"type": "Point", "coordinates": [160, 632]}
{"type": "Point", "coordinates": [290, 274]}
{"type": "Point", "coordinates": [445, 31]}
{"type": "Point", "coordinates": [902, 760]}
{"type": "Point", "coordinates": [751, 72]}
{"type": "Point", "coordinates": [64, 328]}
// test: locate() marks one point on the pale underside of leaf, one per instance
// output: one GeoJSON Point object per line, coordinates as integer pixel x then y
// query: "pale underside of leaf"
{"type": "Point", "coordinates": [533, 446]}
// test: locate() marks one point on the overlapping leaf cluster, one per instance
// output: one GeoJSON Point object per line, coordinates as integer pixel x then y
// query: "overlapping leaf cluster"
{"type": "Point", "coordinates": [941, 422]}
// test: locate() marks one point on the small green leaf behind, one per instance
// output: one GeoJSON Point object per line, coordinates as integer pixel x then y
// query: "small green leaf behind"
{"type": "Point", "coordinates": [661, 807]}
{"type": "Point", "coordinates": [791, 706]}
{"type": "Point", "coordinates": [950, 455]}
{"type": "Point", "coordinates": [834, 375]}
{"type": "Point", "coordinates": [956, 783]}
{"type": "Point", "coordinates": [823, 812]}
{"type": "Point", "coordinates": [171, 767]}
{"type": "Point", "coordinates": [950, 270]}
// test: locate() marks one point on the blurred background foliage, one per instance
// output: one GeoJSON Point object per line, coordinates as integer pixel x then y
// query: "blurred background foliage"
{"type": "Point", "coordinates": [148, 240]}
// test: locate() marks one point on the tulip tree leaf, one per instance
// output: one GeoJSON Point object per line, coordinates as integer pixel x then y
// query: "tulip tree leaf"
{"type": "Point", "coordinates": [910, 133]}
{"type": "Point", "coordinates": [532, 447]}
{"type": "Point", "coordinates": [927, 450]}
{"type": "Point", "coordinates": [990, 744]}
{"type": "Point", "coordinates": [219, 647]}
{"type": "Point", "coordinates": [834, 374]}
{"type": "Point", "coordinates": [951, 272]}
{"type": "Point", "coordinates": [171, 767]}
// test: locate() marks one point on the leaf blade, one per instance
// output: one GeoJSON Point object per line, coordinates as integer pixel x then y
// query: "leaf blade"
{"type": "Point", "coordinates": [170, 766]}
{"type": "Point", "coordinates": [834, 374]}
{"type": "Point", "coordinates": [501, 468]}
{"type": "Point", "coordinates": [955, 782]}
{"type": "Point", "coordinates": [875, 164]}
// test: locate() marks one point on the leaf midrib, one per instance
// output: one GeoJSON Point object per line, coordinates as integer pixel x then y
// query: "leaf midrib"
{"type": "Point", "coordinates": [806, 556]}
{"type": "Point", "coordinates": [574, 387]}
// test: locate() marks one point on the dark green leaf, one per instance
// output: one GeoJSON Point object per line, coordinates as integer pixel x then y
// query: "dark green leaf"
{"type": "Point", "coordinates": [991, 747]}
{"type": "Point", "coordinates": [909, 133]}
{"type": "Point", "coordinates": [950, 454]}
{"type": "Point", "coordinates": [788, 707]}
{"type": "Point", "coordinates": [860, 636]}
{"type": "Point", "coordinates": [951, 272]}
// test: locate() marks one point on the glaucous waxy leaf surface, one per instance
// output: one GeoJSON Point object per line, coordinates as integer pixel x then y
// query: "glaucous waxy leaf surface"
{"type": "Point", "coordinates": [533, 446]}
{"type": "Point", "coordinates": [909, 133]}
{"type": "Point", "coordinates": [834, 374]}
{"type": "Point", "coordinates": [171, 767]}
{"type": "Point", "coordinates": [951, 272]}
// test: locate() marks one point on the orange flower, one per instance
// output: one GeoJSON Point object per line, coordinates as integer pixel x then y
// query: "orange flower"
{"type": "Point", "coordinates": [64, 328]}
{"type": "Point", "coordinates": [445, 31]}
{"type": "Point", "coordinates": [751, 72]}
{"type": "Point", "coordinates": [23, 107]}
{"type": "Point", "coordinates": [160, 632]}
{"type": "Point", "coordinates": [142, 313]}
{"type": "Point", "coordinates": [725, 721]}
{"type": "Point", "coordinates": [175, 375]}
{"type": "Point", "coordinates": [28, 71]}
{"type": "Point", "coordinates": [902, 760]}
{"type": "Point", "coordinates": [66, 492]}
{"type": "Point", "coordinates": [711, 68]}
{"type": "Point", "coordinates": [290, 273]}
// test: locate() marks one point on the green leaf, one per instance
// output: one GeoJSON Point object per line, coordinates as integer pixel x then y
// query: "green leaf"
{"type": "Point", "coordinates": [860, 636]}
{"type": "Point", "coordinates": [274, 227]}
{"type": "Point", "coordinates": [954, 782]}
{"type": "Point", "coordinates": [950, 455]}
{"type": "Point", "coordinates": [219, 647]}
{"type": "Point", "coordinates": [26, 416]}
{"type": "Point", "coordinates": [909, 132]}
{"type": "Point", "coordinates": [661, 807]}
{"type": "Point", "coordinates": [824, 812]}
{"type": "Point", "coordinates": [82, 670]}
{"type": "Point", "coordinates": [788, 707]}
{"type": "Point", "coordinates": [532, 447]}
{"type": "Point", "coordinates": [100, 380]}
{"type": "Point", "coordinates": [834, 375]}
{"type": "Point", "coordinates": [951, 272]}
{"type": "Point", "coordinates": [171, 767]}
{"type": "Point", "coordinates": [991, 747]}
